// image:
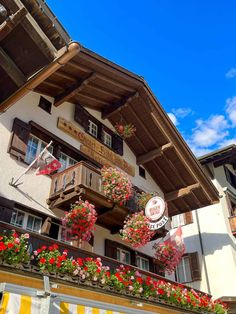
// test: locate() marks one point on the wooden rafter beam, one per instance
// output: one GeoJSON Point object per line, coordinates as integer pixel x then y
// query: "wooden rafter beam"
{"type": "Point", "coordinates": [11, 69]}
{"type": "Point", "coordinates": [146, 157]}
{"type": "Point", "coordinates": [13, 20]}
{"type": "Point", "coordinates": [118, 106]}
{"type": "Point", "coordinates": [178, 153]}
{"type": "Point", "coordinates": [181, 192]}
{"type": "Point", "coordinates": [74, 89]}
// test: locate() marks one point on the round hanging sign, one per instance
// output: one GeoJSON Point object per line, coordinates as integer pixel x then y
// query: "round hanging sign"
{"type": "Point", "coordinates": [154, 210]}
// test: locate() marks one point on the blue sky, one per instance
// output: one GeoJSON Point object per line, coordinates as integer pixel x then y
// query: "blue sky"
{"type": "Point", "coordinates": [186, 51]}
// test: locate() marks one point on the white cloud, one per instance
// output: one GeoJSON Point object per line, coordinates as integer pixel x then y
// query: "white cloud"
{"type": "Point", "coordinates": [231, 73]}
{"type": "Point", "coordinates": [227, 142]}
{"type": "Point", "coordinates": [209, 132]}
{"type": "Point", "coordinates": [173, 118]}
{"type": "Point", "coordinates": [182, 112]}
{"type": "Point", "coordinates": [231, 110]}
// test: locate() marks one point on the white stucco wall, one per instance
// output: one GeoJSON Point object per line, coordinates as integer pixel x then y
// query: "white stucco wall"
{"type": "Point", "coordinates": [218, 243]}
{"type": "Point", "coordinates": [35, 189]}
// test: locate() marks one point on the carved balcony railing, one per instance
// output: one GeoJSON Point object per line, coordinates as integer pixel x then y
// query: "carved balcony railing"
{"type": "Point", "coordinates": [232, 222]}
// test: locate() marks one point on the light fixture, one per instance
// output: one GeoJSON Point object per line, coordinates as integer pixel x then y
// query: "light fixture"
{"type": "Point", "coordinates": [139, 304]}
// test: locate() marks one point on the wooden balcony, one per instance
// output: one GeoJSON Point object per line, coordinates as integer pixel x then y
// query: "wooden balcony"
{"type": "Point", "coordinates": [84, 181]}
{"type": "Point", "coordinates": [232, 222]}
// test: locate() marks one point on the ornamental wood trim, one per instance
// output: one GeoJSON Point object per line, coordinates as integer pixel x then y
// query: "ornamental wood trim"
{"type": "Point", "coordinates": [95, 150]}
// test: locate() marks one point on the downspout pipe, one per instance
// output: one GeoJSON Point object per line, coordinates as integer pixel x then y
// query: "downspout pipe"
{"type": "Point", "coordinates": [65, 55]}
{"type": "Point", "coordinates": [203, 253]}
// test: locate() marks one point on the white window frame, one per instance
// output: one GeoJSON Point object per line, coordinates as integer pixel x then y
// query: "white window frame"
{"type": "Point", "coordinates": [123, 251]}
{"type": "Point", "coordinates": [177, 220]}
{"type": "Point", "coordinates": [25, 220]}
{"type": "Point", "coordinates": [68, 160]}
{"type": "Point", "coordinates": [107, 139]}
{"type": "Point", "coordinates": [39, 147]}
{"type": "Point", "coordinates": [183, 264]}
{"type": "Point", "coordinates": [140, 264]}
{"type": "Point", "coordinates": [93, 128]}
{"type": "Point", "coordinates": [60, 238]}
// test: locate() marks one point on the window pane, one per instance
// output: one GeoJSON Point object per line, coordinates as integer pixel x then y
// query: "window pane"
{"type": "Point", "coordinates": [30, 223]}
{"type": "Point", "coordinates": [20, 219]}
{"type": "Point", "coordinates": [37, 224]}
{"type": "Point", "coordinates": [93, 128]}
{"type": "Point", "coordinates": [63, 161]}
{"type": "Point", "coordinates": [72, 162]}
{"type": "Point", "coordinates": [180, 272]}
{"type": "Point", "coordinates": [13, 217]}
{"type": "Point", "coordinates": [31, 151]}
{"type": "Point", "coordinates": [188, 276]}
{"type": "Point", "coordinates": [138, 261]}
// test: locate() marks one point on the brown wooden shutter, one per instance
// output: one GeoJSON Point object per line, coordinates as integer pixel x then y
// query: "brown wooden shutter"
{"type": "Point", "coordinates": [19, 139]}
{"type": "Point", "coordinates": [188, 218]}
{"type": "Point", "coordinates": [194, 266]}
{"type": "Point", "coordinates": [117, 144]}
{"type": "Point", "coordinates": [111, 249]}
{"type": "Point", "coordinates": [81, 116]}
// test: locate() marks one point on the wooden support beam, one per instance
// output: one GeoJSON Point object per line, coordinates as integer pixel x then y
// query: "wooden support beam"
{"type": "Point", "coordinates": [13, 20]}
{"type": "Point", "coordinates": [181, 192]}
{"type": "Point", "coordinates": [116, 229]}
{"type": "Point", "coordinates": [100, 76]}
{"type": "Point", "coordinates": [71, 91]}
{"type": "Point", "coordinates": [11, 69]}
{"type": "Point", "coordinates": [92, 98]}
{"type": "Point", "coordinates": [118, 106]}
{"type": "Point", "coordinates": [178, 153]}
{"type": "Point", "coordinates": [146, 157]}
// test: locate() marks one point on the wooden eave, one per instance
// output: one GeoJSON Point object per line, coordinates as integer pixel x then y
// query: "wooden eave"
{"type": "Point", "coordinates": [29, 41]}
{"type": "Point", "coordinates": [97, 83]}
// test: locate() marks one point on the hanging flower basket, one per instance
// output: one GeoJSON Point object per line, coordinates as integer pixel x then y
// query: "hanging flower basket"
{"type": "Point", "coordinates": [143, 198]}
{"type": "Point", "coordinates": [116, 185]}
{"type": "Point", "coordinates": [168, 256]}
{"type": "Point", "coordinates": [136, 230]}
{"type": "Point", "coordinates": [80, 220]}
{"type": "Point", "coordinates": [125, 130]}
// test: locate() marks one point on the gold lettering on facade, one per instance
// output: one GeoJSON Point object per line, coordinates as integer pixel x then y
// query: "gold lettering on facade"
{"type": "Point", "coordinates": [93, 148]}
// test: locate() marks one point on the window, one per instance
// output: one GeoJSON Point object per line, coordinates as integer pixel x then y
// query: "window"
{"type": "Point", "coordinates": [183, 271]}
{"type": "Point", "coordinates": [181, 220]}
{"type": "Point", "coordinates": [142, 263]}
{"type": "Point", "coordinates": [107, 139]}
{"type": "Point", "coordinates": [142, 172]}
{"type": "Point", "coordinates": [34, 147]}
{"type": "Point", "coordinates": [26, 221]}
{"type": "Point", "coordinates": [66, 161]}
{"type": "Point", "coordinates": [189, 269]}
{"type": "Point", "coordinates": [93, 128]}
{"type": "Point", "coordinates": [177, 221]}
{"type": "Point", "coordinates": [17, 218]}
{"type": "Point", "coordinates": [123, 256]}
{"type": "Point", "coordinates": [45, 104]}
{"type": "Point", "coordinates": [34, 223]}
{"type": "Point", "coordinates": [64, 235]}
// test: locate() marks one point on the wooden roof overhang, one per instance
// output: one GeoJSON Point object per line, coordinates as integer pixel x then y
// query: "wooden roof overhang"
{"type": "Point", "coordinates": [220, 157]}
{"type": "Point", "coordinates": [30, 39]}
{"type": "Point", "coordinates": [94, 82]}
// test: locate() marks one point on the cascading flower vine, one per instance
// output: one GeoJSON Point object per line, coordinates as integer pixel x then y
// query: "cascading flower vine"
{"type": "Point", "coordinates": [80, 220]}
{"type": "Point", "coordinates": [116, 185]}
{"type": "Point", "coordinates": [136, 230]}
{"type": "Point", "coordinates": [143, 198]}
{"type": "Point", "coordinates": [168, 256]}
